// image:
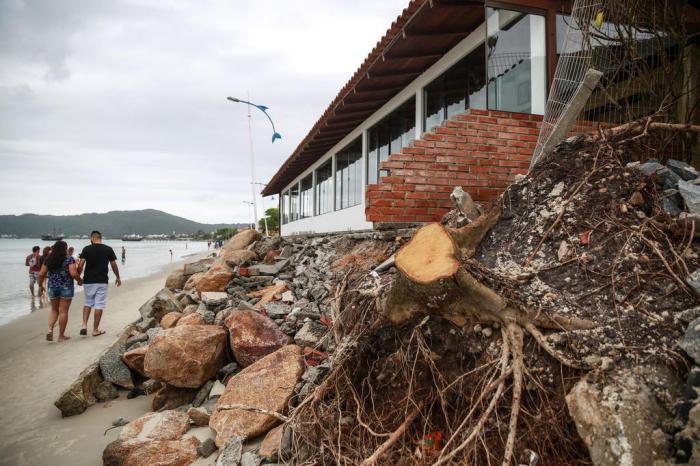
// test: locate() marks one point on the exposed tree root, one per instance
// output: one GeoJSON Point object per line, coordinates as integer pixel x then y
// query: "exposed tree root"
{"type": "Point", "coordinates": [515, 334]}
{"type": "Point", "coordinates": [434, 279]}
{"type": "Point", "coordinates": [393, 438]}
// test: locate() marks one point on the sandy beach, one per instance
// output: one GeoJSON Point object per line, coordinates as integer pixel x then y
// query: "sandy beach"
{"type": "Point", "coordinates": [34, 372]}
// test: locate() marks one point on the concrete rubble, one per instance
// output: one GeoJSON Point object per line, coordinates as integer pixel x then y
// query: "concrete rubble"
{"type": "Point", "coordinates": [234, 342]}
{"type": "Point", "coordinates": [271, 317]}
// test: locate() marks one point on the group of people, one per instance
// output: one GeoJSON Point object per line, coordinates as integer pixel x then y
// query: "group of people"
{"type": "Point", "coordinates": [217, 244]}
{"type": "Point", "coordinates": [58, 265]}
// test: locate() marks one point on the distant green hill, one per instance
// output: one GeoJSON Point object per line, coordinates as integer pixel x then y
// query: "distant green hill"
{"type": "Point", "coordinates": [112, 224]}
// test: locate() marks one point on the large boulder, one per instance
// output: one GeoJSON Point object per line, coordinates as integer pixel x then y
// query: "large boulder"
{"type": "Point", "coordinates": [170, 319]}
{"type": "Point", "coordinates": [241, 240]}
{"type": "Point", "coordinates": [191, 319]}
{"type": "Point", "coordinates": [691, 340]}
{"type": "Point", "coordinates": [147, 452]}
{"type": "Point", "coordinates": [81, 394]}
{"type": "Point", "coordinates": [192, 281]}
{"type": "Point", "coordinates": [164, 302]}
{"type": "Point", "coordinates": [198, 416]}
{"type": "Point", "coordinates": [682, 169]}
{"type": "Point", "coordinates": [216, 278]}
{"type": "Point", "coordinates": [200, 266]}
{"type": "Point", "coordinates": [134, 359]}
{"type": "Point", "coordinates": [176, 280]}
{"type": "Point", "coordinates": [617, 417]}
{"type": "Point", "coordinates": [234, 258]}
{"type": "Point", "coordinates": [105, 392]}
{"type": "Point", "coordinates": [267, 384]}
{"type": "Point", "coordinates": [169, 397]}
{"type": "Point", "coordinates": [270, 446]}
{"type": "Point", "coordinates": [691, 196]}
{"type": "Point", "coordinates": [186, 356]}
{"type": "Point", "coordinates": [166, 425]}
{"type": "Point", "coordinates": [113, 368]}
{"type": "Point", "coordinates": [252, 336]}
{"type": "Point", "coordinates": [146, 309]}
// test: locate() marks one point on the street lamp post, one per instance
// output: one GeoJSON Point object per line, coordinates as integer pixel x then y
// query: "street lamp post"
{"type": "Point", "coordinates": [255, 226]}
{"type": "Point", "coordinates": [267, 233]}
{"type": "Point", "coordinates": [275, 135]}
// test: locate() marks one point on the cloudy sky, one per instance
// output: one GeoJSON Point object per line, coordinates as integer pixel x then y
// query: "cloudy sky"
{"type": "Point", "coordinates": [120, 104]}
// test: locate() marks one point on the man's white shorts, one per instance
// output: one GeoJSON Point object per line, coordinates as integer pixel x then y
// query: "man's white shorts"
{"type": "Point", "coordinates": [95, 295]}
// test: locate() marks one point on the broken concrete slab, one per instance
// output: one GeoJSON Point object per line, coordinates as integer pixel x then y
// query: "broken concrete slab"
{"type": "Point", "coordinates": [691, 196]}
{"type": "Point", "coordinates": [682, 169]}
{"type": "Point", "coordinates": [268, 269]}
{"type": "Point", "coordinates": [213, 299]}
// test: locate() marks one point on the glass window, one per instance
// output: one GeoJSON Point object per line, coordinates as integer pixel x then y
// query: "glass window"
{"type": "Point", "coordinates": [461, 87]}
{"type": "Point", "coordinates": [516, 56]}
{"type": "Point", "coordinates": [388, 136]}
{"type": "Point", "coordinates": [348, 176]}
{"type": "Point", "coordinates": [372, 157]}
{"type": "Point", "coordinates": [284, 205]}
{"type": "Point", "coordinates": [294, 203]}
{"type": "Point", "coordinates": [324, 188]}
{"type": "Point", "coordinates": [306, 196]}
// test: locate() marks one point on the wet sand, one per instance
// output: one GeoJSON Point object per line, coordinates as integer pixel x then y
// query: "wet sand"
{"type": "Point", "coordinates": [33, 372]}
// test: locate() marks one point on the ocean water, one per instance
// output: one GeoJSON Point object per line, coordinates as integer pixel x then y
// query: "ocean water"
{"type": "Point", "coordinates": [143, 258]}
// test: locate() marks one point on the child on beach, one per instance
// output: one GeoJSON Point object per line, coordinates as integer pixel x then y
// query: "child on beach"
{"type": "Point", "coordinates": [33, 261]}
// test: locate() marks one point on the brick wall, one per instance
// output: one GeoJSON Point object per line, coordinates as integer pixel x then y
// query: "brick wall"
{"type": "Point", "coordinates": [479, 150]}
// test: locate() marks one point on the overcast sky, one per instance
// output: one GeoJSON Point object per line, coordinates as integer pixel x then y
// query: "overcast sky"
{"type": "Point", "coordinates": [120, 105]}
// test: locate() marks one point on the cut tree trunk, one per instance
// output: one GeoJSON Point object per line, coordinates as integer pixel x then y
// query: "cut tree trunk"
{"type": "Point", "coordinates": [434, 278]}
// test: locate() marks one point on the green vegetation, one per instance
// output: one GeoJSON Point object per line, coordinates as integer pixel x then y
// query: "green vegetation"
{"type": "Point", "coordinates": [112, 224]}
{"type": "Point", "coordinates": [225, 233]}
{"type": "Point", "coordinates": [272, 215]}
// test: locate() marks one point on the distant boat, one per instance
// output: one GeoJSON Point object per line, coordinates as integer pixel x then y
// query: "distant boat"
{"type": "Point", "coordinates": [132, 237]}
{"type": "Point", "coordinates": [52, 236]}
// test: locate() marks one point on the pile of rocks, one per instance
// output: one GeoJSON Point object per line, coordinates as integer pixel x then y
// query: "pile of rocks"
{"type": "Point", "coordinates": [679, 185]}
{"type": "Point", "coordinates": [227, 347]}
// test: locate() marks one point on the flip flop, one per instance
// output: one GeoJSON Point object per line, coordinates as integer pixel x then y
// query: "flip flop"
{"type": "Point", "coordinates": [83, 332]}
{"type": "Point", "coordinates": [65, 338]}
{"type": "Point", "coordinates": [49, 336]}
{"type": "Point", "coordinates": [101, 332]}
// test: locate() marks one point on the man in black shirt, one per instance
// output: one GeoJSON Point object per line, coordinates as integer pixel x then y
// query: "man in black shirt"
{"type": "Point", "coordinates": [94, 259]}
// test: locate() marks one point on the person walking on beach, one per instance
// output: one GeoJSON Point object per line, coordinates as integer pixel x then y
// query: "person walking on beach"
{"type": "Point", "coordinates": [94, 259]}
{"type": "Point", "coordinates": [61, 270]}
{"type": "Point", "coordinates": [33, 261]}
{"type": "Point", "coordinates": [171, 255]}
{"type": "Point", "coordinates": [123, 254]}
{"type": "Point", "coordinates": [46, 252]}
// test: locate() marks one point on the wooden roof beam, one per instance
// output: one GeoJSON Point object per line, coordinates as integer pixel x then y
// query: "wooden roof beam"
{"type": "Point", "coordinates": [386, 74]}
{"type": "Point", "coordinates": [389, 56]}
{"type": "Point", "coordinates": [428, 35]}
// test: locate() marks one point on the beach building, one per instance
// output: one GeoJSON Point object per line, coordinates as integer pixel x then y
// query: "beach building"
{"type": "Point", "coordinates": [452, 95]}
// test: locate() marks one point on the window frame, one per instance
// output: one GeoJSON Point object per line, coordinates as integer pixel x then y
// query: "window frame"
{"type": "Point", "coordinates": [317, 195]}
{"type": "Point", "coordinates": [355, 168]}
{"type": "Point", "coordinates": [549, 43]}
{"type": "Point", "coordinates": [398, 115]}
